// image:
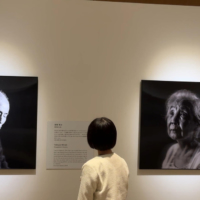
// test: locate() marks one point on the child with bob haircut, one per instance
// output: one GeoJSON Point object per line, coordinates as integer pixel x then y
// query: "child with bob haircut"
{"type": "Point", "coordinates": [105, 177]}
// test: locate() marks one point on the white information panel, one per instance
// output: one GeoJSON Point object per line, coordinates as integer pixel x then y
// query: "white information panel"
{"type": "Point", "coordinates": [67, 146]}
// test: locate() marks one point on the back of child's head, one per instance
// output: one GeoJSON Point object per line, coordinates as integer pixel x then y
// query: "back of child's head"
{"type": "Point", "coordinates": [102, 134]}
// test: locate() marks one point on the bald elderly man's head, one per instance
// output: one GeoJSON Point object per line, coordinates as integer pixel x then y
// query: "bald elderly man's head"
{"type": "Point", "coordinates": [4, 108]}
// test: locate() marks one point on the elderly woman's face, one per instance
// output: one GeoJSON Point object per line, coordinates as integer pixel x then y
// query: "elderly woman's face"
{"type": "Point", "coordinates": [180, 121]}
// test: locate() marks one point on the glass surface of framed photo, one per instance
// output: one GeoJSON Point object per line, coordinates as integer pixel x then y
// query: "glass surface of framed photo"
{"type": "Point", "coordinates": [170, 125]}
{"type": "Point", "coordinates": [18, 122]}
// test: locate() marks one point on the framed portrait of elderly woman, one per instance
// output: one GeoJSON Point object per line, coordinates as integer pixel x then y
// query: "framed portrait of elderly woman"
{"type": "Point", "coordinates": [18, 122]}
{"type": "Point", "coordinates": [169, 125]}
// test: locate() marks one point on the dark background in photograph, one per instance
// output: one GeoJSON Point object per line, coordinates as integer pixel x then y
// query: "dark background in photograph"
{"type": "Point", "coordinates": [18, 134]}
{"type": "Point", "coordinates": [154, 140]}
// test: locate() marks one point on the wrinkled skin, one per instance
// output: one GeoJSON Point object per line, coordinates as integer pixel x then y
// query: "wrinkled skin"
{"type": "Point", "coordinates": [180, 122]}
{"type": "Point", "coordinates": [4, 109]}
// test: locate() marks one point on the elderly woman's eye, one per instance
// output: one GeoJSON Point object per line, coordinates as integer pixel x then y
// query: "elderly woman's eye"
{"type": "Point", "coordinates": [171, 113]}
{"type": "Point", "coordinates": [183, 114]}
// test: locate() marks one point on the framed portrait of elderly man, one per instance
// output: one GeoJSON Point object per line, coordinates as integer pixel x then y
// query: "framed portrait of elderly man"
{"type": "Point", "coordinates": [18, 122]}
{"type": "Point", "coordinates": [169, 125]}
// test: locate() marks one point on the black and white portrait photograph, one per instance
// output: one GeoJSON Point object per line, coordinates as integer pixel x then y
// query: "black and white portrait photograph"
{"type": "Point", "coordinates": [169, 125]}
{"type": "Point", "coordinates": [18, 122]}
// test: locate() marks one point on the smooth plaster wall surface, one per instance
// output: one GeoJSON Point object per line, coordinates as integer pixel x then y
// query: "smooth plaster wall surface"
{"type": "Point", "coordinates": [90, 58]}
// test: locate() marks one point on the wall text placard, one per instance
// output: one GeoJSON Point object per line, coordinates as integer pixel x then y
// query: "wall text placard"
{"type": "Point", "coordinates": [67, 146]}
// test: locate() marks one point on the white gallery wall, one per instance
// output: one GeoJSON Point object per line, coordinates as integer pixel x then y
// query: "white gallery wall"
{"type": "Point", "coordinates": [90, 58]}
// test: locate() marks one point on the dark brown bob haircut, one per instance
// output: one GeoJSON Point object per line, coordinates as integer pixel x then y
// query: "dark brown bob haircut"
{"type": "Point", "coordinates": [185, 97]}
{"type": "Point", "coordinates": [102, 134]}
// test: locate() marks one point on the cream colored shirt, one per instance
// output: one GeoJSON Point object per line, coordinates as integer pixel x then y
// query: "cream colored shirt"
{"type": "Point", "coordinates": [104, 178]}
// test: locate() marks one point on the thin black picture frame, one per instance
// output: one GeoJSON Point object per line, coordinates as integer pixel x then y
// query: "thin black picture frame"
{"type": "Point", "coordinates": [19, 133]}
{"type": "Point", "coordinates": [154, 141]}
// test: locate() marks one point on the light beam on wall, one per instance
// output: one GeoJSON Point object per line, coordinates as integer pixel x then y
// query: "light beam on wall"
{"type": "Point", "coordinates": [175, 64]}
{"type": "Point", "coordinates": [13, 61]}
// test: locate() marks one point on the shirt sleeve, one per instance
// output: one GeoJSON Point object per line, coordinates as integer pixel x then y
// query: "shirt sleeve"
{"type": "Point", "coordinates": [196, 162]}
{"type": "Point", "coordinates": [169, 156]}
{"type": "Point", "coordinates": [88, 184]}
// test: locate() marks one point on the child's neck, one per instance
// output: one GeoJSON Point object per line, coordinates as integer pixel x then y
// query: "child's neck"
{"type": "Point", "coordinates": [104, 152]}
